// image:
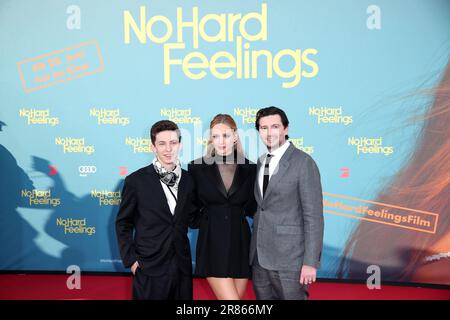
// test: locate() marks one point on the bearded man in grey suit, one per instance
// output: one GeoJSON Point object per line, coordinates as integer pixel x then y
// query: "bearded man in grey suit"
{"type": "Point", "coordinates": [287, 237]}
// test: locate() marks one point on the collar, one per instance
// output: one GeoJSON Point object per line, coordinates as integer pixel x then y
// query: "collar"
{"type": "Point", "coordinates": [280, 150]}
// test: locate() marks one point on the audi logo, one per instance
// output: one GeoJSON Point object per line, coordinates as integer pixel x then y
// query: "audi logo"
{"type": "Point", "coordinates": [83, 170]}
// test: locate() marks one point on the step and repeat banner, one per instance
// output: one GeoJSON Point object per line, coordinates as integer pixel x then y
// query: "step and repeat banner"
{"type": "Point", "coordinates": [365, 84]}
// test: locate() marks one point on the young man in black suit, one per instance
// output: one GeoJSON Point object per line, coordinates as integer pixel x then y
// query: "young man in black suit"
{"type": "Point", "coordinates": [153, 220]}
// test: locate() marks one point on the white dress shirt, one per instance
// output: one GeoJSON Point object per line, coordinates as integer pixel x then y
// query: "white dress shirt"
{"type": "Point", "coordinates": [274, 161]}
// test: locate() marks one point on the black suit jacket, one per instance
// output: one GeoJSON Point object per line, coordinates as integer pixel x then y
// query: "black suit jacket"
{"type": "Point", "coordinates": [224, 234]}
{"type": "Point", "coordinates": [147, 231]}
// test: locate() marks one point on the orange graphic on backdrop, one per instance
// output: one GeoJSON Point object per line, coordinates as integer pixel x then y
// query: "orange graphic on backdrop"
{"type": "Point", "coordinates": [63, 65]}
{"type": "Point", "coordinates": [401, 217]}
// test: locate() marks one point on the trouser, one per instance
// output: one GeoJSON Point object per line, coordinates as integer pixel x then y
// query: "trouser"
{"type": "Point", "coordinates": [277, 285]}
{"type": "Point", "coordinates": [172, 285]}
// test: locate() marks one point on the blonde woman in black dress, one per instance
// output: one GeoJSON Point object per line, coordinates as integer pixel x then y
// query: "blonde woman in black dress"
{"type": "Point", "coordinates": [224, 181]}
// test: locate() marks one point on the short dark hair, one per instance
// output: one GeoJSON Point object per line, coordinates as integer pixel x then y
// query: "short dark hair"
{"type": "Point", "coordinates": [164, 125]}
{"type": "Point", "coordinates": [270, 111]}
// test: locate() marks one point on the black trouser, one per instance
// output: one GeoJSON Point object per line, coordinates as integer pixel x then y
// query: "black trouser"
{"type": "Point", "coordinates": [172, 285]}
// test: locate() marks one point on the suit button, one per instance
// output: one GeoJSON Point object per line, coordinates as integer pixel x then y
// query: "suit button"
{"type": "Point", "coordinates": [262, 209]}
{"type": "Point", "coordinates": [226, 217]}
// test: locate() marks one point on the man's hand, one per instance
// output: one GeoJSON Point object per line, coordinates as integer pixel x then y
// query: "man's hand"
{"type": "Point", "coordinates": [307, 275]}
{"type": "Point", "coordinates": [134, 268]}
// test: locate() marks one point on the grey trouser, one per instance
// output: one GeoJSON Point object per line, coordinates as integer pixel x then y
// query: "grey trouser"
{"type": "Point", "coordinates": [277, 285]}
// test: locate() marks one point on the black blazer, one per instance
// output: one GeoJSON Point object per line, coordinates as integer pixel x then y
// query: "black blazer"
{"type": "Point", "coordinates": [224, 234]}
{"type": "Point", "coordinates": [147, 231]}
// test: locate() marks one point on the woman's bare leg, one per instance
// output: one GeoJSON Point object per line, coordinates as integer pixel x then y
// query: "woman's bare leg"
{"type": "Point", "coordinates": [223, 288]}
{"type": "Point", "coordinates": [241, 286]}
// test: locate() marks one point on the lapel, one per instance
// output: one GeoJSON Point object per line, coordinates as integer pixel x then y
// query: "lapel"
{"type": "Point", "coordinates": [283, 166]}
{"type": "Point", "coordinates": [213, 172]}
{"type": "Point", "coordinates": [238, 180]}
{"type": "Point", "coordinates": [240, 175]}
{"type": "Point", "coordinates": [181, 196]}
{"type": "Point", "coordinates": [257, 192]}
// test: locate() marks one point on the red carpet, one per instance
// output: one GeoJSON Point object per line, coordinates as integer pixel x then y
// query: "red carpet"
{"type": "Point", "coordinates": [53, 287]}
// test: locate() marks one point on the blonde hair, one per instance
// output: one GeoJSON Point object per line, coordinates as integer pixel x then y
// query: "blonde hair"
{"type": "Point", "coordinates": [227, 120]}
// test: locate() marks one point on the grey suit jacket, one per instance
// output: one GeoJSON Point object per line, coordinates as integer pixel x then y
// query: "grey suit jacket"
{"type": "Point", "coordinates": [288, 225]}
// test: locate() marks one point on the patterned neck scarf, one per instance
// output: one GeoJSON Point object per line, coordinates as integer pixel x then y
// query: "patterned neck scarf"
{"type": "Point", "coordinates": [170, 178]}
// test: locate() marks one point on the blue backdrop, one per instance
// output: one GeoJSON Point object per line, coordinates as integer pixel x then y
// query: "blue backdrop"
{"type": "Point", "coordinates": [82, 82]}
